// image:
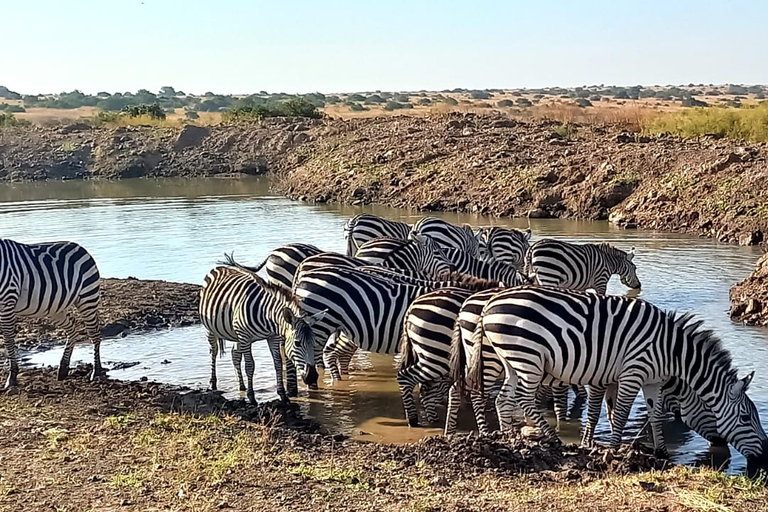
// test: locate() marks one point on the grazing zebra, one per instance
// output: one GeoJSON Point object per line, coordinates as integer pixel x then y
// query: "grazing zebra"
{"type": "Point", "coordinates": [281, 264]}
{"type": "Point", "coordinates": [679, 398]}
{"type": "Point", "coordinates": [507, 245]}
{"type": "Point", "coordinates": [425, 347]}
{"type": "Point", "coordinates": [450, 236]}
{"type": "Point", "coordinates": [52, 280]}
{"type": "Point", "coordinates": [579, 266]}
{"type": "Point", "coordinates": [420, 253]}
{"type": "Point", "coordinates": [466, 264]}
{"type": "Point", "coordinates": [596, 340]}
{"type": "Point", "coordinates": [238, 305]}
{"type": "Point", "coordinates": [364, 227]}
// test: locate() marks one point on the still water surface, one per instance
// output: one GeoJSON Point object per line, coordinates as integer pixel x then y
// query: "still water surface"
{"type": "Point", "coordinates": [178, 229]}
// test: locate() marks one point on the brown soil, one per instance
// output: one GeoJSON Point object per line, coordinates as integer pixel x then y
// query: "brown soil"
{"type": "Point", "coordinates": [127, 305]}
{"type": "Point", "coordinates": [108, 445]}
{"type": "Point", "coordinates": [749, 298]}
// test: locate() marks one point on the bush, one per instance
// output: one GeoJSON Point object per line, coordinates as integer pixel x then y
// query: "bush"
{"type": "Point", "coordinates": [374, 99]}
{"type": "Point", "coordinates": [583, 102]}
{"type": "Point", "coordinates": [424, 101]}
{"type": "Point", "coordinates": [401, 98]}
{"type": "Point", "coordinates": [736, 89]}
{"type": "Point", "coordinates": [256, 110]}
{"type": "Point", "coordinates": [356, 107]}
{"type": "Point", "coordinates": [8, 120]}
{"type": "Point", "coordinates": [749, 123]}
{"type": "Point", "coordinates": [693, 102]}
{"type": "Point", "coordinates": [394, 105]}
{"type": "Point", "coordinates": [595, 97]}
{"type": "Point", "coordinates": [191, 115]}
{"type": "Point", "coordinates": [480, 95]}
{"type": "Point", "coordinates": [332, 100]}
{"type": "Point", "coordinates": [505, 103]}
{"type": "Point", "coordinates": [12, 108]}
{"type": "Point", "coordinates": [154, 111]}
{"type": "Point", "coordinates": [450, 101]}
{"type": "Point", "coordinates": [483, 104]}
{"type": "Point", "coordinates": [355, 97]}
{"type": "Point", "coordinates": [524, 102]}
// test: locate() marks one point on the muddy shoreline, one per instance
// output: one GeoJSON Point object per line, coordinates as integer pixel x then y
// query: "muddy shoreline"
{"type": "Point", "coordinates": [135, 445]}
{"type": "Point", "coordinates": [127, 306]}
{"type": "Point", "coordinates": [488, 164]}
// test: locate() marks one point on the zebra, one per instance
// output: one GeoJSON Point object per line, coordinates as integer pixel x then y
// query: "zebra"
{"type": "Point", "coordinates": [425, 345]}
{"type": "Point", "coordinates": [238, 305]}
{"type": "Point", "coordinates": [507, 245]}
{"type": "Point", "coordinates": [579, 266]}
{"type": "Point", "coordinates": [450, 236]}
{"type": "Point", "coordinates": [420, 253]}
{"type": "Point", "coordinates": [281, 264]}
{"type": "Point", "coordinates": [365, 226]}
{"type": "Point", "coordinates": [688, 407]}
{"type": "Point", "coordinates": [596, 340]}
{"type": "Point", "coordinates": [483, 269]}
{"type": "Point", "coordinates": [54, 280]}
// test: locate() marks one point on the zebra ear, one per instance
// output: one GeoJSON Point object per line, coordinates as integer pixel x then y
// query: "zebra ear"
{"type": "Point", "coordinates": [418, 237]}
{"type": "Point", "coordinates": [314, 318]}
{"type": "Point", "coordinates": [747, 379]}
{"type": "Point", "coordinates": [288, 316]}
{"type": "Point", "coordinates": [631, 254]}
{"type": "Point", "coordinates": [741, 386]}
{"type": "Point", "coordinates": [527, 234]}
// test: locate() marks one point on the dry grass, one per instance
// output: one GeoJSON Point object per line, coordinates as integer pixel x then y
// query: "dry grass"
{"type": "Point", "coordinates": [748, 123]}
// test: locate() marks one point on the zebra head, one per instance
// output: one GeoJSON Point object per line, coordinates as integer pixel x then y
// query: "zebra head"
{"type": "Point", "coordinates": [474, 240]}
{"type": "Point", "coordinates": [482, 244]}
{"type": "Point", "coordinates": [432, 394]}
{"type": "Point", "coordinates": [300, 344]}
{"type": "Point", "coordinates": [434, 261]}
{"type": "Point", "coordinates": [739, 424]}
{"type": "Point", "coordinates": [627, 270]}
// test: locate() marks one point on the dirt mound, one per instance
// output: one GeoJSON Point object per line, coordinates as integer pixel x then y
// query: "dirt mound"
{"type": "Point", "coordinates": [127, 305]}
{"type": "Point", "coordinates": [749, 298]}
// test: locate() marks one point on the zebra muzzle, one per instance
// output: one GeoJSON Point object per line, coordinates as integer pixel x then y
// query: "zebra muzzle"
{"type": "Point", "coordinates": [310, 377]}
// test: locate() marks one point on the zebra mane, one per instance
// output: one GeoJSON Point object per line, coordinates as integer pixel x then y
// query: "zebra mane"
{"type": "Point", "coordinates": [611, 249]}
{"type": "Point", "coordinates": [469, 282]}
{"type": "Point", "coordinates": [705, 340]}
{"type": "Point", "coordinates": [285, 295]}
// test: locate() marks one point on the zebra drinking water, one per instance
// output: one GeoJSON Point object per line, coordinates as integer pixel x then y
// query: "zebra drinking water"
{"type": "Point", "coordinates": [507, 245]}
{"type": "Point", "coordinates": [238, 305]}
{"type": "Point", "coordinates": [579, 266]}
{"type": "Point", "coordinates": [50, 280]}
{"type": "Point", "coordinates": [595, 340]}
{"type": "Point", "coordinates": [365, 226]}
{"type": "Point", "coordinates": [450, 236]}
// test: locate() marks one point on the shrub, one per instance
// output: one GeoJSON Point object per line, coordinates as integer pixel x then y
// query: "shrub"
{"type": "Point", "coordinates": [355, 97]}
{"type": "Point", "coordinates": [191, 114]}
{"type": "Point", "coordinates": [12, 108]}
{"type": "Point", "coordinates": [394, 105]}
{"type": "Point", "coordinates": [154, 111]}
{"type": "Point", "coordinates": [595, 97]}
{"type": "Point", "coordinates": [693, 102]}
{"type": "Point", "coordinates": [524, 102]}
{"type": "Point", "coordinates": [450, 101]}
{"type": "Point", "coordinates": [401, 98]}
{"type": "Point", "coordinates": [505, 103]}
{"type": "Point", "coordinates": [750, 122]}
{"type": "Point", "coordinates": [424, 101]}
{"type": "Point", "coordinates": [356, 107]}
{"type": "Point", "coordinates": [8, 120]}
{"type": "Point", "coordinates": [332, 100]}
{"type": "Point", "coordinates": [483, 104]}
{"type": "Point", "coordinates": [736, 89]}
{"type": "Point", "coordinates": [374, 99]}
{"type": "Point", "coordinates": [480, 95]}
{"type": "Point", "coordinates": [583, 102]}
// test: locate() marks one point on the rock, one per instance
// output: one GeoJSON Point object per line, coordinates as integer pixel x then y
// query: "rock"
{"type": "Point", "coordinates": [753, 307]}
{"type": "Point", "coordinates": [358, 193]}
{"type": "Point", "coordinates": [753, 238]}
{"type": "Point", "coordinates": [550, 199]}
{"type": "Point", "coordinates": [538, 213]}
{"type": "Point", "coordinates": [191, 135]}
{"type": "Point", "coordinates": [624, 138]}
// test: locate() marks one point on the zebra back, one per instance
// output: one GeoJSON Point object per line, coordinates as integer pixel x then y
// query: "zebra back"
{"type": "Point", "coordinates": [508, 245]}
{"type": "Point", "coordinates": [493, 270]}
{"type": "Point", "coordinates": [283, 262]}
{"type": "Point", "coordinates": [325, 259]}
{"type": "Point", "coordinates": [420, 255]}
{"type": "Point", "coordinates": [365, 226]}
{"type": "Point", "coordinates": [448, 235]}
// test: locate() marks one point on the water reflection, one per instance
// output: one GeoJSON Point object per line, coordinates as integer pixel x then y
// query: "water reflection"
{"type": "Point", "coordinates": [176, 229]}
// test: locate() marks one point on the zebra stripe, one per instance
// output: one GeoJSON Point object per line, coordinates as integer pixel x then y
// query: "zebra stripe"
{"type": "Point", "coordinates": [595, 340]}
{"type": "Point", "coordinates": [364, 227]}
{"type": "Point", "coordinates": [507, 245]}
{"type": "Point", "coordinates": [281, 264]}
{"type": "Point", "coordinates": [237, 305]}
{"type": "Point", "coordinates": [679, 398]}
{"type": "Point", "coordinates": [420, 254]}
{"type": "Point", "coordinates": [579, 266]}
{"type": "Point", "coordinates": [495, 270]}
{"type": "Point", "coordinates": [449, 236]}
{"type": "Point", "coordinates": [51, 280]}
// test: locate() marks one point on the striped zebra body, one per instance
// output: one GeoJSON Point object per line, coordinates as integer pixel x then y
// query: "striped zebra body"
{"type": "Point", "coordinates": [237, 305]}
{"type": "Point", "coordinates": [495, 270]}
{"type": "Point", "coordinates": [51, 280]}
{"type": "Point", "coordinates": [282, 263]}
{"type": "Point", "coordinates": [595, 340]}
{"type": "Point", "coordinates": [507, 245]}
{"type": "Point", "coordinates": [450, 236]}
{"type": "Point", "coordinates": [364, 227]}
{"type": "Point", "coordinates": [421, 254]}
{"type": "Point", "coordinates": [579, 266]}
{"type": "Point", "coordinates": [680, 399]}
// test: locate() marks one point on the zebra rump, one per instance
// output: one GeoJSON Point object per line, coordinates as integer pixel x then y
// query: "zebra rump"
{"type": "Point", "coordinates": [365, 226]}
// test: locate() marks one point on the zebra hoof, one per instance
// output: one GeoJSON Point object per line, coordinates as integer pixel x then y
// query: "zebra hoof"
{"type": "Point", "coordinates": [11, 383]}
{"type": "Point", "coordinates": [252, 398]}
{"type": "Point", "coordinates": [661, 453]}
{"type": "Point", "coordinates": [242, 387]}
{"type": "Point", "coordinates": [284, 399]}
{"type": "Point", "coordinates": [413, 422]}
{"type": "Point", "coordinates": [717, 441]}
{"type": "Point", "coordinates": [293, 392]}
{"type": "Point", "coordinates": [100, 375]}
{"type": "Point", "coordinates": [63, 372]}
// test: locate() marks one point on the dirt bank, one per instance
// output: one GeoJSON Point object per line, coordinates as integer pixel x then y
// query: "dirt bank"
{"type": "Point", "coordinates": [127, 305]}
{"type": "Point", "coordinates": [749, 298]}
{"type": "Point", "coordinates": [140, 445]}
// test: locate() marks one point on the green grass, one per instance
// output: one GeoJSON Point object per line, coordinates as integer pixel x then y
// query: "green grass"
{"type": "Point", "coordinates": [749, 122]}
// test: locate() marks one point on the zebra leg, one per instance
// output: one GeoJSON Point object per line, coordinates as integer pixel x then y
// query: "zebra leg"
{"type": "Point", "coordinates": [275, 348]}
{"type": "Point", "coordinates": [580, 391]}
{"type": "Point", "coordinates": [344, 358]}
{"type": "Point", "coordinates": [560, 398]}
{"type": "Point", "coordinates": [594, 406]}
{"type": "Point", "coordinates": [627, 392]}
{"type": "Point", "coordinates": [290, 376]}
{"type": "Point", "coordinates": [237, 359]}
{"type": "Point", "coordinates": [8, 326]}
{"type": "Point", "coordinates": [244, 347]}
{"type": "Point", "coordinates": [479, 402]}
{"type": "Point", "coordinates": [433, 393]}
{"type": "Point", "coordinates": [213, 341]}
{"type": "Point", "coordinates": [407, 380]}
{"type": "Point", "coordinates": [505, 401]}
{"type": "Point", "coordinates": [331, 358]}
{"type": "Point", "coordinates": [92, 323]}
{"type": "Point", "coordinates": [74, 334]}
{"type": "Point", "coordinates": [610, 402]}
{"type": "Point", "coordinates": [526, 398]}
{"type": "Point", "coordinates": [652, 395]}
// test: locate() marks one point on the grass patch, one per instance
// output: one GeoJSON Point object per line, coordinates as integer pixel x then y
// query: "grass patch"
{"type": "Point", "coordinates": [56, 437]}
{"type": "Point", "coordinates": [565, 130]}
{"type": "Point", "coordinates": [120, 421]}
{"type": "Point", "coordinates": [132, 480]}
{"type": "Point", "coordinates": [749, 122]}
{"type": "Point", "coordinates": [329, 474]}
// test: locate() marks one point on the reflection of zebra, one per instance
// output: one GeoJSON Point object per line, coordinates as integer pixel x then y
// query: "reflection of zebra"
{"type": "Point", "coordinates": [448, 235]}
{"type": "Point", "coordinates": [281, 264]}
{"type": "Point", "coordinates": [364, 227]}
{"type": "Point", "coordinates": [579, 266]}
{"type": "Point", "coordinates": [49, 280]}
{"type": "Point", "coordinates": [595, 340]}
{"type": "Point", "coordinates": [679, 398]}
{"type": "Point", "coordinates": [237, 305]}
{"type": "Point", "coordinates": [507, 245]}
{"type": "Point", "coordinates": [420, 254]}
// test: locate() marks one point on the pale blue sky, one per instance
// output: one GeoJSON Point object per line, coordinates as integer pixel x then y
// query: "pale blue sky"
{"type": "Point", "coordinates": [239, 46]}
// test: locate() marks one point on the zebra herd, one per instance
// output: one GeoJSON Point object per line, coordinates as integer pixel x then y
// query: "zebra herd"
{"type": "Point", "coordinates": [468, 311]}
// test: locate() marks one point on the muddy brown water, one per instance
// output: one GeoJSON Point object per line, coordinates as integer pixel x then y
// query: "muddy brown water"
{"type": "Point", "coordinates": [178, 229]}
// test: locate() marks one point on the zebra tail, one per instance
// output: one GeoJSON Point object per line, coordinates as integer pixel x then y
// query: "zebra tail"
{"type": "Point", "coordinates": [458, 359]}
{"type": "Point", "coordinates": [349, 226]}
{"type": "Point", "coordinates": [407, 357]}
{"type": "Point", "coordinates": [475, 367]}
{"type": "Point", "coordinates": [528, 272]}
{"type": "Point", "coordinates": [229, 261]}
